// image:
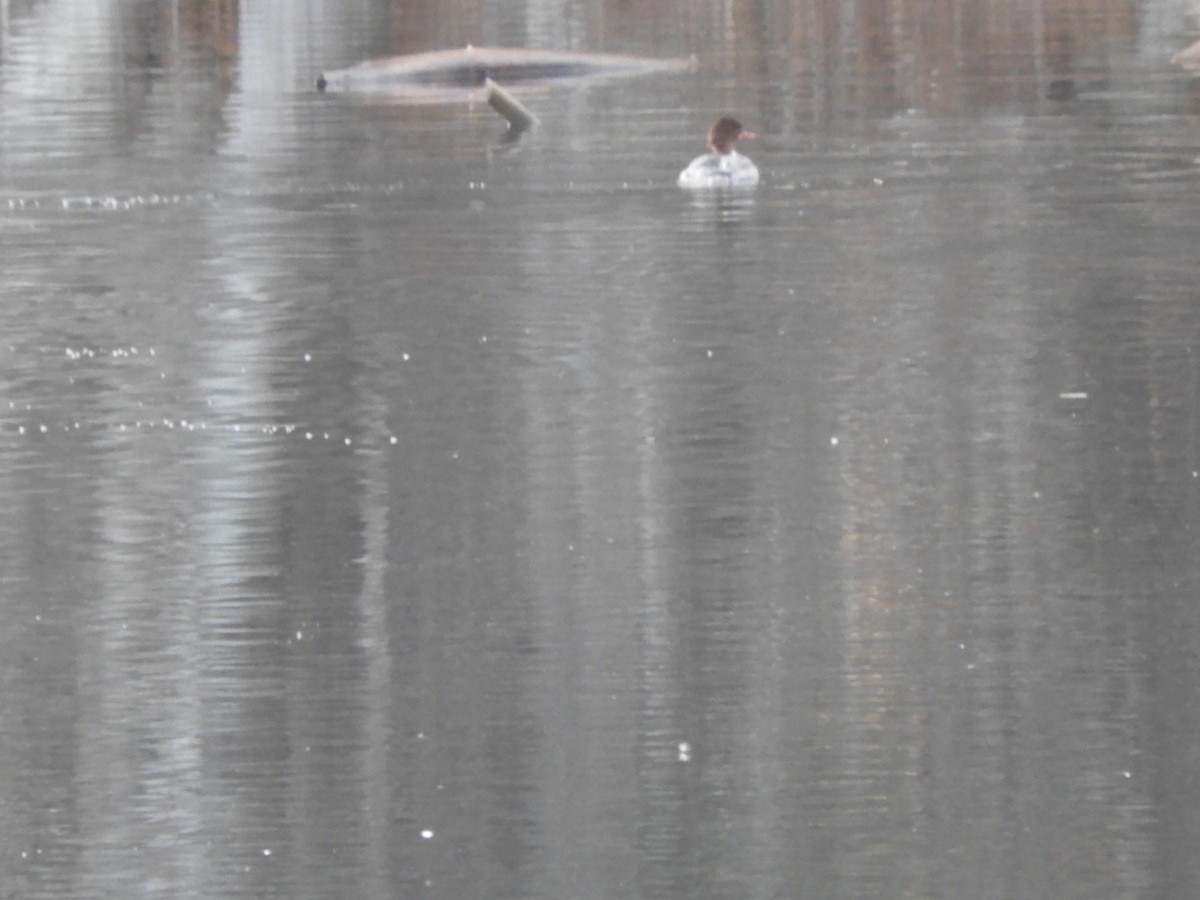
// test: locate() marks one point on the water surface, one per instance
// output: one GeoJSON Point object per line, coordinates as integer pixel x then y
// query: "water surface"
{"type": "Point", "coordinates": [394, 511]}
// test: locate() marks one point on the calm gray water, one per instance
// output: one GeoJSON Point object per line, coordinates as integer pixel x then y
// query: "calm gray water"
{"type": "Point", "coordinates": [393, 512]}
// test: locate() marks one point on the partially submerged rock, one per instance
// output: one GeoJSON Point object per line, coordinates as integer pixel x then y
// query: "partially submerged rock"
{"type": "Point", "coordinates": [470, 67]}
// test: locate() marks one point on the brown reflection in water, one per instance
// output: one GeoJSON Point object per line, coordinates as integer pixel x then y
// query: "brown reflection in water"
{"type": "Point", "coordinates": [164, 45]}
{"type": "Point", "coordinates": [875, 58]}
{"type": "Point", "coordinates": [839, 59]}
{"type": "Point", "coordinates": [162, 34]}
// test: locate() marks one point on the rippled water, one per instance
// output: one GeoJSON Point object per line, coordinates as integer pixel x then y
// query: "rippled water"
{"type": "Point", "coordinates": [393, 511]}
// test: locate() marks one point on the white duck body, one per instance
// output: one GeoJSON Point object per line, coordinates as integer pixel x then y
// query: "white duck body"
{"type": "Point", "coordinates": [719, 170]}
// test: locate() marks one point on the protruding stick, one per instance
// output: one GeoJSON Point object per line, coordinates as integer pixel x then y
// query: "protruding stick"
{"type": "Point", "coordinates": [518, 115]}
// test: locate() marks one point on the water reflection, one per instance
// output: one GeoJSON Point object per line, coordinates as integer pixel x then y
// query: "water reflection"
{"type": "Point", "coordinates": [386, 515]}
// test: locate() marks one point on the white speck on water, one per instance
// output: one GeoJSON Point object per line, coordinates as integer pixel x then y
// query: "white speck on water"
{"type": "Point", "coordinates": [308, 435]}
{"type": "Point", "coordinates": [266, 851]}
{"type": "Point", "coordinates": [833, 441]}
{"type": "Point", "coordinates": [299, 635]}
{"type": "Point", "coordinates": [405, 357]}
{"type": "Point", "coordinates": [685, 751]}
{"type": "Point", "coordinates": [392, 439]}
{"type": "Point", "coordinates": [1127, 774]}
{"type": "Point", "coordinates": [308, 357]}
{"type": "Point", "coordinates": [710, 353]}
{"type": "Point", "coordinates": [427, 833]}
{"type": "Point", "coordinates": [1073, 395]}
{"type": "Point", "coordinates": [348, 442]}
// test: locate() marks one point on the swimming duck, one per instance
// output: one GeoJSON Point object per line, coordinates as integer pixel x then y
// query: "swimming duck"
{"type": "Point", "coordinates": [724, 166]}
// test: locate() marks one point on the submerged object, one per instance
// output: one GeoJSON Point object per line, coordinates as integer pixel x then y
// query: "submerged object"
{"type": "Point", "coordinates": [470, 67]}
{"type": "Point", "coordinates": [518, 115]}
{"type": "Point", "coordinates": [1188, 58]}
{"type": "Point", "coordinates": [722, 167]}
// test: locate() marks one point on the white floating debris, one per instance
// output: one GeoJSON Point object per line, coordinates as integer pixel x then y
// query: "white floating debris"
{"type": "Point", "coordinates": [1073, 395]}
{"type": "Point", "coordinates": [392, 440]}
{"type": "Point", "coordinates": [833, 441]}
{"type": "Point", "coordinates": [427, 833]}
{"type": "Point", "coordinates": [266, 851]}
{"type": "Point", "coordinates": [685, 751]}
